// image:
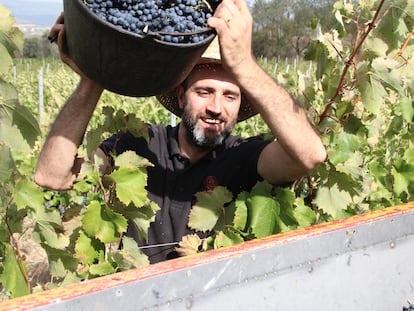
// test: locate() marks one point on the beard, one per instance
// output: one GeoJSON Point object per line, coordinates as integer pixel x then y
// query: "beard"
{"type": "Point", "coordinates": [205, 139]}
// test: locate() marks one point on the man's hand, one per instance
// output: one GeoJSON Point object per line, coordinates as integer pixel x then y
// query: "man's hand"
{"type": "Point", "coordinates": [233, 22]}
{"type": "Point", "coordinates": [57, 35]}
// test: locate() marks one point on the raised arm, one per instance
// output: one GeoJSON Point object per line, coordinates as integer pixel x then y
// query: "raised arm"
{"type": "Point", "coordinates": [58, 163]}
{"type": "Point", "coordinates": [298, 148]}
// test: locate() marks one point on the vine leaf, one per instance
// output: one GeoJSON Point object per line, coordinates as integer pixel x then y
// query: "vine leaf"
{"type": "Point", "coordinates": [131, 160]}
{"type": "Point", "coordinates": [333, 200]}
{"type": "Point", "coordinates": [407, 109]}
{"type": "Point", "coordinates": [344, 147]}
{"type": "Point", "coordinates": [132, 256]}
{"type": "Point", "coordinates": [7, 165]}
{"type": "Point", "coordinates": [263, 210]}
{"type": "Point", "coordinates": [142, 217]}
{"type": "Point", "coordinates": [18, 125]}
{"type": "Point", "coordinates": [227, 238]}
{"type": "Point", "coordinates": [48, 228]}
{"type": "Point", "coordinates": [102, 268]}
{"type": "Point", "coordinates": [304, 215]}
{"type": "Point", "coordinates": [60, 261]}
{"type": "Point", "coordinates": [189, 245]}
{"type": "Point", "coordinates": [286, 198]}
{"type": "Point", "coordinates": [14, 279]}
{"type": "Point", "coordinates": [241, 212]}
{"type": "Point", "coordinates": [403, 174]}
{"type": "Point", "coordinates": [102, 223]}
{"type": "Point", "coordinates": [27, 194]}
{"type": "Point", "coordinates": [130, 185]}
{"type": "Point", "coordinates": [208, 208]}
{"type": "Point", "coordinates": [373, 93]}
{"type": "Point", "coordinates": [87, 249]}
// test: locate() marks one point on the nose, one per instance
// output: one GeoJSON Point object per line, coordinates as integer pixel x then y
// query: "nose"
{"type": "Point", "coordinates": [214, 105]}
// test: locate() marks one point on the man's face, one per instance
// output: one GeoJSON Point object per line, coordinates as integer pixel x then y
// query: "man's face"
{"type": "Point", "coordinates": [210, 104]}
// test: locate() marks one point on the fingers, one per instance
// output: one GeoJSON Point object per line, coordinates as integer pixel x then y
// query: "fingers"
{"type": "Point", "coordinates": [56, 28]}
{"type": "Point", "coordinates": [231, 19]}
{"type": "Point", "coordinates": [233, 23]}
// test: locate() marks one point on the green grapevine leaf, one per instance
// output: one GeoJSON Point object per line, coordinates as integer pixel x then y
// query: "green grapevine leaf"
{"type": "Point", "coordinates": [7, 165]}
{"type": "Point", "coordinates": [60, 261]}
{"type": "Point", "coordinates": [263, 210]}
{"type": "Point", "coordinates": [407, 108]}
{"type": "Point", "coordinates": [27, 194]}
{"type": "Point", "coordinates": [142, 217]}
{"type": "Point", "coordinates": [241, 213]}
{"type": "Point", "coordinates": [101, 269]}
{"type": "Point", "coordinates": [332, 199]}
{"type": "Point", "coordinates": [304, 215]}
{"type": "Point", "coordinates": [286, 199]}
{"type": "Point", "coordinates": [12, 114]}
{"type": "Point", "coordinates": [340, 27]}
{"type": "Point", "coordinates": [102, 223]}
{"type": "Point", "coordinates": [392, 27]}
{"type": "Point", "coordinates": [87, 249]}
{"type": "Point", "coordinates": [137, 127]}
{"type": "Point", "coordinates": [48, 228]}
{"type": "Point", "coordinates": [88, 176]}
{"type": "Point", "coordinates": [403, 174]}
{"type": "Point", "coordinates": [208, 208]}
{"type": "Point", "coordinates": [130, 185]}
{"type": "Point", "coordinates": [129, 159]}
{"type": "Point", "coordinates": [6, 19]}
{"type": "Point", "coordinates": [372, 93]}
{"type": "Point", "coordinates": [70, 278]}
{"type": "Point", "coordinates": [386, 70]}
{"type": "Point", "coordinates": [376, 47]}
{"type": "Point", "coordinates": [13, 280]}
{"type": "Point", "coordinates": [4, 55]}
{"type": "Point", "coordinates": [132, 256]}
{"type": "Point", "coordinates": [227, 238]}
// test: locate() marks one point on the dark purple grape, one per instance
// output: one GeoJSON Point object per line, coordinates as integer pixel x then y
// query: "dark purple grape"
{"type": "Point", "coordinates": [177, 21]}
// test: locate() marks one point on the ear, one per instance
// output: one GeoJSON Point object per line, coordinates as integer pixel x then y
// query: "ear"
{"type": "Point", "coordinates": [180, 96]}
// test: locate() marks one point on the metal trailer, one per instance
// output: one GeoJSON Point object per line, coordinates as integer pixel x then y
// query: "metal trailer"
{"type": "Point", "coordinates": [364, 262]}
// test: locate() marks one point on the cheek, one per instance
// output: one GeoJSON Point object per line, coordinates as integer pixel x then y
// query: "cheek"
{"type": "Point", "coordinates": [232, 110]}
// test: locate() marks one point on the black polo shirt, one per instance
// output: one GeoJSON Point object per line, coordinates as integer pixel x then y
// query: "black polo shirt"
{"type": "Point", "coordinates": [173, 181]}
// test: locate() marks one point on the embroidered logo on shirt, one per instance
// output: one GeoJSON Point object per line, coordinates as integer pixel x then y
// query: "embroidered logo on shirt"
{"type": "Point", "coordinates": [210, 183]}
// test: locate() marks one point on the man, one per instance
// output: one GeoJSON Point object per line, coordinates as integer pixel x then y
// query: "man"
{"type": "Point", "coordinates": [199, 152]}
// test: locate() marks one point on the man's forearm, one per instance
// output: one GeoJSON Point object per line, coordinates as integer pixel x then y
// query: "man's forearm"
{"type": "Point", "coordinates": [56, 167]}
{"type": "Point", "coordinates": [301, 147]}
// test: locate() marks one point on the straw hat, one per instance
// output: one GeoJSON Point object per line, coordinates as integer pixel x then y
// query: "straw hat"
{"type": "Point", "coordinates": [210, 56]}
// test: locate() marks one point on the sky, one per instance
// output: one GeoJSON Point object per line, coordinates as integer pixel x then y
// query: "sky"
{"type": "Point", "coordinates": [40, 12]}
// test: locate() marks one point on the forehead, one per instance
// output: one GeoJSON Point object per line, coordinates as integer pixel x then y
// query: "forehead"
{"type": "Point", "coordinates": [216, 72]}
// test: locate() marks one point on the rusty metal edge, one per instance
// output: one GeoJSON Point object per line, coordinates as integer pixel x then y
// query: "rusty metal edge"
{"type": "Point", "coordinates": [72, 291]}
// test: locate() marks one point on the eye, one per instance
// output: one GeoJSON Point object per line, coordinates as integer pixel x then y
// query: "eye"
{"type": "Point", "coordinates": [231, 97]}
{"type": "Point", "coordinates": [203, 93]}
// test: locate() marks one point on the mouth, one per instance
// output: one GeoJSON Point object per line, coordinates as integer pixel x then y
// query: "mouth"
{"type": "Point", "coordinates": [212, 124]}
{"type": "Point", "coordinates": [212, 121]}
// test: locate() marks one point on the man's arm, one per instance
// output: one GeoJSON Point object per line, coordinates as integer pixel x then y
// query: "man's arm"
{"type": "Point", "coordinates": [58, 163]}
{"type": "Point", "coordinates": [298, 148]}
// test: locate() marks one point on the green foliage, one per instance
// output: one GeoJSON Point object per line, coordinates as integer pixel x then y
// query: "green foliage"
{"type": "Point", "coordinates": [356, 83]}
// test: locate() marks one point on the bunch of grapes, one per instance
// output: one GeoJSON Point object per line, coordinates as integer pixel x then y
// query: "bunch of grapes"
{"type": "Point", "coordinates": [177, 21]}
